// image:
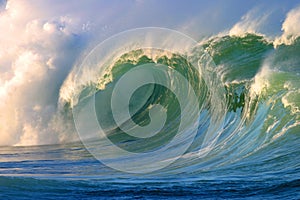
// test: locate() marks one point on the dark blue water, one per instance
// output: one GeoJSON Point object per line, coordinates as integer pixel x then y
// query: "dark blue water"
{"type": "Point", "coordinates": [70, 172]}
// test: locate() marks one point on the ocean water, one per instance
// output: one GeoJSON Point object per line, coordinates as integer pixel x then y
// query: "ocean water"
{"type": "Point", "coordinates": [69, 171]}
{"type": "Point", "coordinates": [255, 154]}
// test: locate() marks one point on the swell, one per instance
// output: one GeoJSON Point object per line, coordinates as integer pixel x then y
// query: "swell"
{"type": "Point", "coordinates": [259, 100]}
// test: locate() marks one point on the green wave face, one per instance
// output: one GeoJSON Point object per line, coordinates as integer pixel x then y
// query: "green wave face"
{"type": "Point", "coordinates": [252, 86]}
{"type": "Point", "coordinates": [144, 98]}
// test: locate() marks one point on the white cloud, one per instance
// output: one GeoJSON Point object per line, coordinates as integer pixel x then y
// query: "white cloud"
{"type": "Point", "coordinates": [36, 54]}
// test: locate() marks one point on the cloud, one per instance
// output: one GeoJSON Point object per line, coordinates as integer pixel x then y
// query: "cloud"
{"type": "Point", "coordinates": [36, 54]}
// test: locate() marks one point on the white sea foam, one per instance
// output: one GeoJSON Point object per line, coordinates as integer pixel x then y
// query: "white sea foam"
{"type": "Point", "coordinates": [249, 23]}
{"type": "Point", "coordinates": [290, 28]}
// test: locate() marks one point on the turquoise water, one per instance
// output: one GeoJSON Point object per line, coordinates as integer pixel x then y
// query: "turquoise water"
{"type": "Point", "coordinates": [249, 100]}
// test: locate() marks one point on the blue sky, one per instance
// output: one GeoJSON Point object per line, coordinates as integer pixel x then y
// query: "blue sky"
{"type": "Point", "coordinates": [194, 17]}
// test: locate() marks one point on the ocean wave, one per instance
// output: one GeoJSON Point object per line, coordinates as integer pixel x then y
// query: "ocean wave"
{"type": "Point", "coordinates": [246, 85]}
{"type": "Point", "coordinates": [255, 106]}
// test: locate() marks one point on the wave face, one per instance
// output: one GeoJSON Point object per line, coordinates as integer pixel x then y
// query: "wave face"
{"type": "Point", "coordinates": [248, 99]}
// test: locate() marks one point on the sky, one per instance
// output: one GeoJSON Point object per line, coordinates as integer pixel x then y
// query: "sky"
{"type": "Point", "coordinates": [41, 41]}
{"type": "Point", "coordinates": [193, 17]}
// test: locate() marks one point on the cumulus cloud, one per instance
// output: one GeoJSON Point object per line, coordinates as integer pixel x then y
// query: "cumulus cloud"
{"type": "Point", "coordinates": [36, 54]}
